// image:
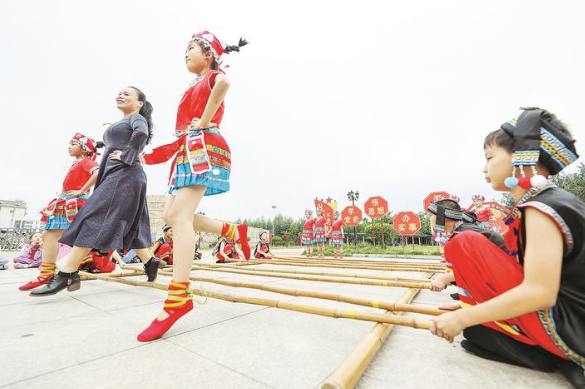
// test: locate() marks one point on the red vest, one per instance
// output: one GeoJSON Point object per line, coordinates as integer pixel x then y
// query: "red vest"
{"type": "Point", "coordinates": [336, 225]}
{"type": "Point", "coordinates": [78, 174]}
{"type": "Point", "coordinates": [194, 101]}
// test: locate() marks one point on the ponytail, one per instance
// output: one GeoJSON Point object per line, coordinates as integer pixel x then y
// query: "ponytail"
{"type": "Point", "coordinates": [146, 112]}
{"type": "Point", "coordinates": [98, 145]}
{"type": "Point", "coordinates": [228, 49]}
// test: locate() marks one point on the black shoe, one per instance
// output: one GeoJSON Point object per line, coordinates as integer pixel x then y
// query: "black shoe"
{"type": "Point", "coordinates": [573, 372]}
{"type": "Point", "coordinates": [60, 281]}
{"type": "Point", "coordinates": [151, 268]}
{"type": "Point", "coordinates": [454, 296]}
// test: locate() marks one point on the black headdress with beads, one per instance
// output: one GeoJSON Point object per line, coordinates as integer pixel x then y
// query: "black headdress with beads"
{"type": "Point", "coordinates": [537, 140]}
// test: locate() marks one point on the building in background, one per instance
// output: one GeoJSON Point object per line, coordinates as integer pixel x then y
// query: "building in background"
{"type": "Point", "coordinates": [29, 224]}
{"type": "Point", "coordinates": [156, 205]}
{"type": "Point", "coordinates": [11, 211]}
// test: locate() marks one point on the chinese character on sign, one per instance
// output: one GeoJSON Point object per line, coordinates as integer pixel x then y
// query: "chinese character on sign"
{"type": "Point", "coordinates": [402, 227]}
{"type": "Point", "coordinates": [347, 219]}
{"type": "Point", "coordinates": [371, 211]}
{"type": "Point", "coordinates": [405, 218]}
{"type": "Point", "coordinates": [350, 211]}
{"type": "Point", "coordinates": [412, 227]}
{"type": "Point", "coordinates": [375, 202]}
{"type": "Point", "coordinates": [381, 210]}
{"type": "Point", "coordinates": [355, 219]}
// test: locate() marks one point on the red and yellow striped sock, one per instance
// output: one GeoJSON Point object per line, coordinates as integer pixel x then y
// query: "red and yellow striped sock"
{"type": "Point", "coordinates": [228, 231]}
{"type": "Point", "coordinates": [48, 269]}
{"type": "Point", "coordinates": [178, 295]}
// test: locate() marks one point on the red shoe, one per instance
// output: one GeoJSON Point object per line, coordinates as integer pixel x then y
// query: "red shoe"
{"type": "Point", "coordinates": [243, 240]}
{"type": "Point", "coordinates": [41, 280]}
{"type": "Point", "coordinates": [160, 327]}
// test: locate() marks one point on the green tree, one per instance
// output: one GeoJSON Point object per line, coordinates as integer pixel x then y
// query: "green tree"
{"type": "Point", "coordinates": [507, 200]}
{"type": "Point", "coordinates": [425, 223]}
{"type": "Point", "coordinates": [294, 233]}
{"type": "Point", "coordinates": [573, 182]}
{"type": "Point", "coordinates": [374, 232]}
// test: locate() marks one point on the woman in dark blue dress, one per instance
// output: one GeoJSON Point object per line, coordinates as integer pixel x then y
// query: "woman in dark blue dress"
{"type": "Point", "coordinates": [116, 215]}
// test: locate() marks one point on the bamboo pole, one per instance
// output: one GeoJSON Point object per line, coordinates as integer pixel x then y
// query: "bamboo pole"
{"type": "Point", "coordinates": [399, 284]}
{"type": "Point", "coordinates": [320, 311]}
{"type": "Point", "coordinates": [205, 266]}
{"type": "Point", "coordinates": [421, 262]}
{"type": "Point", "coordinates": [389, 306]}
{"type": "Point", "coordinates": [437, 267]}
{"type": "Point", "coordinates": [122, 274]}
{"type": "Point", "coordinates": [354, 365]}
{"type": "Point", "coordinates": [356, 262]}
{"type": "Point", "coordinates": [301, 264]}
{"type": "Point", "coordinates": [364, 261]}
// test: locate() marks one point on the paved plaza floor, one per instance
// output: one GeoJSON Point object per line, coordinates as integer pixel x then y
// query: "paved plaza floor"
{"type": "Point", "coordinates": [87, 339]}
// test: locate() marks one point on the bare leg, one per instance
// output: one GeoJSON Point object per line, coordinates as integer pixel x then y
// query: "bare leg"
{"type": "Point", "coordinates": [180, 216]}
{"type": "Point", "coordinates": [207, 224]}
{"type": "Point", "coordinates": [51, 245]}
{"type": "Point", "coordinates": [74, 259]}
{"type": "Point", "coordinates": [144, 254]}
{"type": "Point", "coordinates": [167, 208]}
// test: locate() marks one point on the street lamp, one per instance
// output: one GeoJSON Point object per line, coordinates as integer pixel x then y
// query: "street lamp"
{"type": "Point", "coordinates": [273, 220]}
{"type": "Point", "coordinates": [353, 197]}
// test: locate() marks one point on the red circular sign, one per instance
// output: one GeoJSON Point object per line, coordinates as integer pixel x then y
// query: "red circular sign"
{"type": "Point", "coordinates": [406, 223]}
{"type": "Point", "coordinates": [351, 216]}
{"type": "Point", "coordinates": [376, 207]}
{"type": "Point", "coordinates": [434, 196]}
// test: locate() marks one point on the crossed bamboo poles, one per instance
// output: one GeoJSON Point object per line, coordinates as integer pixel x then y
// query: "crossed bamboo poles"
{"type": "Point", "coordinates": [349, 372]}
{"type": "Point", "coordinates": [320, 311]}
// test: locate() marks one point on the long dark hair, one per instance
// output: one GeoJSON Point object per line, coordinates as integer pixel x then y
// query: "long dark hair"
{"type": "Point", "coordinates": [146, 112]}
{"type": "Point", "coordinates": [228, 49]}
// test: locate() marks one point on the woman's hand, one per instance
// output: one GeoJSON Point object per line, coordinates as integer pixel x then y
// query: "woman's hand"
{"type": "Point", "coordinates": [196, 124]}
{"type": "Point", "coordinates": [74, 192]}
{"type": "Point", "coordinates": [448, 325]}
{"type": "Point", "coordinates": [116, 155]}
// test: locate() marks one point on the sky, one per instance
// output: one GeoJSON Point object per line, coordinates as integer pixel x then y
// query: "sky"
{"type": "Point", "coordinates": [389, 98]}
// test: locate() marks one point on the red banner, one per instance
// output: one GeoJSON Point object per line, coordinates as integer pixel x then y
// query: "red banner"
{"type": "Point", "coordinates": [351, 216]}
{"type": "Point", "coordinates": [406, 223]}
{"type": "Point", "coordinates": [492, 214]}
{"type": "Point", "coordinates": [376, 207]}
{"type": "Point", "coordinates": [327, 212]}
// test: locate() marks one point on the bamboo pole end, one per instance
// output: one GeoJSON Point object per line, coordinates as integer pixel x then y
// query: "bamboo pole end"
{"type": "Point", "coordinates": [331, 385]}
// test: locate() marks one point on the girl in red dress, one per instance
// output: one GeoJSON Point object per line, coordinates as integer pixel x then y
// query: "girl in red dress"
{"type": "Point", "coordinates": [201, 167]}
{"type": "Point", "coordinates": [59, 214]}
{"type": "Point", "coordinates": [320, 233]}
{"type": "Point", "coordinates": [308, 236]}
{"type": "Point", "coordinates": [262, 250]}
{"type": "Point", "coordinates": [337, 235]}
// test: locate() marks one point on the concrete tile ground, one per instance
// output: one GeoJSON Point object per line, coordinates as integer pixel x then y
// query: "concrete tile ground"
{"type": "Point", "coordinates": [88, 339]}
